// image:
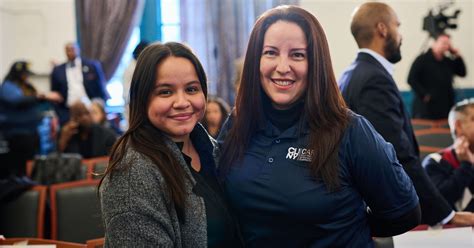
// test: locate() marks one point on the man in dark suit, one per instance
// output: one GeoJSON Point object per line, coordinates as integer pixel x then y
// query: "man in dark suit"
{"type": "Point", "coordinates": [77, 79]}
{"type": "Point", "coordinates": [369, 89]}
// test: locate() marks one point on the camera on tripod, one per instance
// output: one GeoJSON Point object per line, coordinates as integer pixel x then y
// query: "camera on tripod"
{"type": "Point", "coordinates": [436, 24]}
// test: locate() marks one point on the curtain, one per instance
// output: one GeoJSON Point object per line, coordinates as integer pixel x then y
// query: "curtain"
{"type": "Point", "coordinates": [105, 27]}
{"type": "Point", "coordinates": [218, 31]}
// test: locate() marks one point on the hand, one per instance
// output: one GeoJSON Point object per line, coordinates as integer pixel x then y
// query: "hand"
{"type": "Point", "coordinates": [463, 219]}
{"type": "Point", "coordinates": [54, 96]}
{"type": "Point", "coordinates": [454, 51]}
{"type": "Point", "coordinates": [68, 130]}
{"type": "Point", "coordinates": [461, 147]}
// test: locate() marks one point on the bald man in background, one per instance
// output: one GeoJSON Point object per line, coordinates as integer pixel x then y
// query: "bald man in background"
{"type": "Point", "coordinates": [78, 79]}
{"type": "Point", "coordinates": [368, 87]}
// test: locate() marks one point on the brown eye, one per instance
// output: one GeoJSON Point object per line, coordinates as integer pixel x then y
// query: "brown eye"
{"type": "Point", "coordinates": [193, 89]}
{"type": "Point", "coordinates": [269, 53]}
{"type": "Point", "coordinates": [164, 92]}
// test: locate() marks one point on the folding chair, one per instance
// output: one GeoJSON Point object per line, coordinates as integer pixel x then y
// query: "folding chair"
{"type": "Point", "coordinates": [24, 216]}
{"type": "Point", "coordinates": [95, 243]}
{"type": "Point", "coordinates": [96, 166]}
{"type": "Point", "coordinates": [434, 137]}
{"type": "Point", "coordinates": [75, 211]}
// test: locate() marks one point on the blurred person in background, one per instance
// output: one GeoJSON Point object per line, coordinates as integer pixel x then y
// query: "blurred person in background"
{"type": "Point", "coordinates": [216, 113]}
{"type": "Point", "coordinates": [369, 89]}
{"type": "Point", "coordinates": [81, 135]}
{"type": "Point", "coordinates": [452, 169]}
{"type": "Point", "coordinates": [21, 112]}
{"type": "Point", "coordinates": [99, 116]}
{"type": "Point", "coordinates": [127, 77]}
{"type": "Point", "coordinates": [78, 79]}
{"type": "Point", "coordinates": [431, 78]}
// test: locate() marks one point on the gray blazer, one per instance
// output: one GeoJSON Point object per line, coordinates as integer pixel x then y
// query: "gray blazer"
{"type": "Point", "coordinates": [138, 213]}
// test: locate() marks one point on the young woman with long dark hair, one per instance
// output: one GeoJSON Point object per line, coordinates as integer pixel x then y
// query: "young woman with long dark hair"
{"type": "Point", "coordinates": [160, 188]}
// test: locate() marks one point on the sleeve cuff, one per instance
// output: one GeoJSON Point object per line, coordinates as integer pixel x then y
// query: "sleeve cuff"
{"type": "Point", "coordinates": [448, 218]}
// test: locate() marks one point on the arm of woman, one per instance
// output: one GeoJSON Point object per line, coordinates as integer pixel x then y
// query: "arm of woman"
{"type": "Point", "coordinates": [135, 208]}
{"type": "Point", "coordinates": [12, 95]}
{"type": "Point", "coordinates": [382, 182]}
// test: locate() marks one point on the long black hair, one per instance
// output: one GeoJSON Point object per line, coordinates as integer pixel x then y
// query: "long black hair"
{"type": "Point", "coordinates": [324, 107]}
{"type": "Point", "coordinates": [141, 134]}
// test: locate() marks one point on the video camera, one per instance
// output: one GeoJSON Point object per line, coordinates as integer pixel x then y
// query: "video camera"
{"type": "Point", "coordinates": [436, 24]}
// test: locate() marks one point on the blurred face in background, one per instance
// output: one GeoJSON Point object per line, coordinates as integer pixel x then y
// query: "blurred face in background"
{"type": "Point", "coordinates": [214, 114]}
{"type": "Point", "coordinates": [465, 126]}
{"type": "Point", "coordinates": [284, 64]}
{"type": "Point", "coordinates": [442, 44]}
{"type": "Point", "coordinates": [81, 115]}
{"type": "Point", "coordinates": [97, 113]}
{"type": "Point", "coordinates": [72, 51]}
{"type": "Point", "coordinates": [177, 102]}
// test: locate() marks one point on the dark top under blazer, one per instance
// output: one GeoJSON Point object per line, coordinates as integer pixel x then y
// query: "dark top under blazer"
{"type": "Point", "coordinates": [93, 80]}
{"type": "Point", "coordinates": [370, 90]}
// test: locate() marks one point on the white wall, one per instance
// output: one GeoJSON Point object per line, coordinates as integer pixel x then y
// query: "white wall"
{"type": "Point", "coordinates": [35, 30]}
{"type": "Point", "coordinates": [335, 17]}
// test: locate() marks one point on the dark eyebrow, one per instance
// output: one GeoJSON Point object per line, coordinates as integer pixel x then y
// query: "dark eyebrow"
{"type": "Point", "coordinates": [193, 82]}
{"type": "Point", "coordinates": [161, 85]}
{"type": "Point", "coordinates": [299, 49]}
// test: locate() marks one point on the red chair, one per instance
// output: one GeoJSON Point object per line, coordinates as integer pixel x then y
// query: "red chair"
{"type": "Point", "coordinates": [95, 243]}
{"type": "Point", "coordinates": [75, 211]}
{"type": "Point", "coordinates": [434, 137]}
{"type": "Point", "coordinates": [24, 216]}
{"type": "Point", "coordinates": [420, 124]}
{"type": "Point", "coordinates": [96, 166]}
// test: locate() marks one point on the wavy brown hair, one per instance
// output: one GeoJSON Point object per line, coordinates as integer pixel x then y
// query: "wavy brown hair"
{"type": "Point", "coordinates": [141, 135]}
{"type": "Point", "coordinates": [324, 108]}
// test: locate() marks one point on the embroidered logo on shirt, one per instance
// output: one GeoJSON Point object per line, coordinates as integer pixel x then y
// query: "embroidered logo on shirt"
{"type": "Point", "coordinates": [300, 154]}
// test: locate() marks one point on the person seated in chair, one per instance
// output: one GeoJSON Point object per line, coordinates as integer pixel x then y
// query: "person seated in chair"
{"type": "Point", "coordinates": [452, 169]}
{"type": "Point", "coordinates": [81, 135]}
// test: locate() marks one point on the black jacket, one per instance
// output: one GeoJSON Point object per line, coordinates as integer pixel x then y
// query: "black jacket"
{"type": "Point", "coordinates": [429, 76]}
{"type": "Point", "coordinates": [370, 90]}
{"type": "Point", "coordinates": [450, 175]}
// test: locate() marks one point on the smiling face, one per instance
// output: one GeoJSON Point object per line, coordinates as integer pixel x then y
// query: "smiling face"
{"type": "Point", "coordinates": [284, 64]}
{"type": "Point", "coordinates": [177, 102]}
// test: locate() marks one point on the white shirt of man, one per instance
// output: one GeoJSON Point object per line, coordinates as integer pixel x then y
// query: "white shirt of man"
{"type": "Point", "coordinates": [75, 82]}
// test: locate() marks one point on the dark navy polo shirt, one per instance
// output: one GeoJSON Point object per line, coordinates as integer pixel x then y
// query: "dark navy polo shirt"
{"type": "Point", "coordinates": [279, 204]}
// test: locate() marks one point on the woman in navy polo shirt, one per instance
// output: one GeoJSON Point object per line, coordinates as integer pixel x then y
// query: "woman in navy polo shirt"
{"type": "Point", "coordinates": [300, 169]}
